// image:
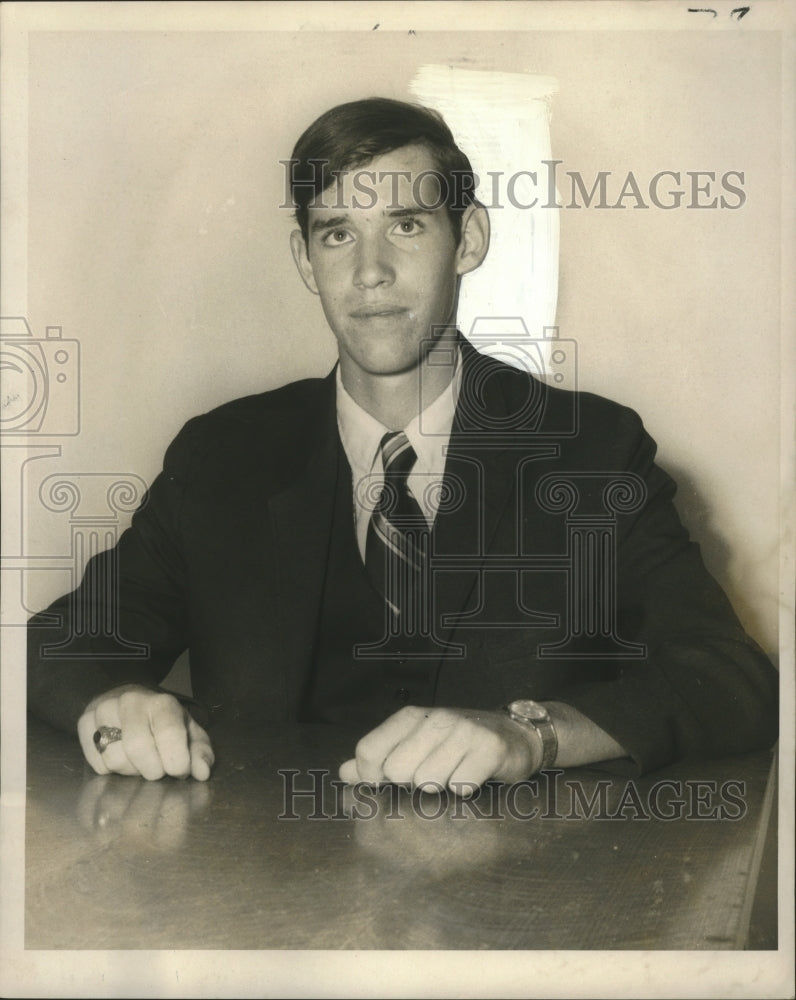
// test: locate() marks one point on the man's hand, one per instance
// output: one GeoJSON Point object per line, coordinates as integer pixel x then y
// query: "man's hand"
{"type": "Point", "coordinates": [158, 735]}
{"type": "Point", "coordinates": [460, 748]}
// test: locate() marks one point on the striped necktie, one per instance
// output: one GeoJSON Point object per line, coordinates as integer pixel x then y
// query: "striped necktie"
{"type": "Point", "coordinates": [397, 543]}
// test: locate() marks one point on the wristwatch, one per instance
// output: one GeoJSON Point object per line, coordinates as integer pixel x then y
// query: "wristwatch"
{"type": "Point", "coordinates": [536, 717]}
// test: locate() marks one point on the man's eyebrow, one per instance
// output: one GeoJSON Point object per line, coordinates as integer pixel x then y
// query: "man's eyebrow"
{"type": "Point", "coordinates": [402, 213]}
{"type": "Point", "coordinates": [321, 225]}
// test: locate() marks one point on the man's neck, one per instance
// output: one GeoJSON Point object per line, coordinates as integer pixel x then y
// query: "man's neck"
{"type": "Point", "coordinates": [394, 400]}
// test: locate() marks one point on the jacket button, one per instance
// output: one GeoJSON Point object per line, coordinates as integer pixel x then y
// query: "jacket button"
{"type": "Point", "coordinates": [402, 695]}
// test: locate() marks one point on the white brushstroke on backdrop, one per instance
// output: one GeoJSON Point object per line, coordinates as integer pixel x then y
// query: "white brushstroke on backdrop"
{"type": "Point", "coordinates": [502, 122]}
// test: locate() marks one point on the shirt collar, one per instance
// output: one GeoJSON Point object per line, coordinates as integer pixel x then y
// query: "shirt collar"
{"type": "Point", "coordinates": [428, 432]}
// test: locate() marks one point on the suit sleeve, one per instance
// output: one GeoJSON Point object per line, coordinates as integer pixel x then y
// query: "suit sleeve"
{"type": "Point", "coordinates": [702, 687]}
{"type": "Point", "coordinates": [126, 622]}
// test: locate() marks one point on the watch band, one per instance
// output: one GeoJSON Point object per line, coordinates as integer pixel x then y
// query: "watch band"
{"type": "Point", "coordinates": [535, 716]}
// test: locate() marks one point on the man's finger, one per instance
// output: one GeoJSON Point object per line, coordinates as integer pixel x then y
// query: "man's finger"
{"type": "Point", "coordinates": [86, 727]}
{"type": "Point", "coordinates": [473, 770]}
{"type": "Point", "coordinates": [167, 721]}
{"type": "Point", "coordinates": [349, 772]}
{"type": "Point", "coordinates": [374, 748]}
{"type": "Point", "coordinates": [435, 729]}
{"type": "Point", "coordinates": [202, 757]}
{"type": "Point", "coordinates": [113, 759]}
{"type": "Point", "coordinates": [438, 764]}
{"type": "Point", "coordinates": [116, 759]}
{"type": "Point", "coordinates": [138, 740]}
{"type": "Point", "coordinates": [468, 758]}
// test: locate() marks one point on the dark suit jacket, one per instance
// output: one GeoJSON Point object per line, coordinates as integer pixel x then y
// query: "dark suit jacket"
{"type": "Point", "coordinates": [227, 558]}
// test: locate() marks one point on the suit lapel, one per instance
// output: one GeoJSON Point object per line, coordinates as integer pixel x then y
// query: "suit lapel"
{"type": "Point", "coordinates": [482, 466]}
{"type": "Point", "coordinates": [301, 522]}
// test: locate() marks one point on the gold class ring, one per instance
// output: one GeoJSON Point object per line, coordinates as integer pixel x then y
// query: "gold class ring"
{"type": "Point", "coordinates": [106, 735]}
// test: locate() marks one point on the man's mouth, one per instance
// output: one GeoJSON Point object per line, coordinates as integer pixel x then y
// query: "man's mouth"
{"type": "Point", "coordinates": [377, 312]}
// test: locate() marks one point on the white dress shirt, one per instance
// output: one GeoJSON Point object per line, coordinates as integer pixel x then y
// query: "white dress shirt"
{"type": "Point", "coordinates": [429, 434]}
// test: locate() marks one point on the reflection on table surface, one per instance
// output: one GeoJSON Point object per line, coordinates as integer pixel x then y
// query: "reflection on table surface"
{"type": "Point", "coordinates": [273, 852]}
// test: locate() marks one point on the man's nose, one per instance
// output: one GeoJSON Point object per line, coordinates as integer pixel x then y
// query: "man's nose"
{"type": "Point", "coordinates": [373, 266]}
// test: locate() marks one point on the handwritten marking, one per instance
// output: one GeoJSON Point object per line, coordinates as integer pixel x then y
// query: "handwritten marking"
{"type": "Point", "coordinates": [740, 11]}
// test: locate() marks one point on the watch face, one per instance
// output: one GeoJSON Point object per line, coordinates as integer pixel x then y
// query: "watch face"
{"type": "Point", "coordinates": [528, 709]}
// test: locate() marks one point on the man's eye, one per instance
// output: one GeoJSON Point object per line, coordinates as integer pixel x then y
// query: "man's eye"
{"type": "Point", "coordinates": [336, 237]}
{"type": "Point", "coordinates": [409, 227]}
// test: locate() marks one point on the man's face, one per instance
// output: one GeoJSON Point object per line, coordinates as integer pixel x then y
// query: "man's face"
{"type": "Point", "coordinates": [385, 267]}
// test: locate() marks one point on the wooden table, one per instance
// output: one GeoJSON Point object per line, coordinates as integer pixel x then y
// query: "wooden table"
{"type": "Point", "coordinates": [120, 863]}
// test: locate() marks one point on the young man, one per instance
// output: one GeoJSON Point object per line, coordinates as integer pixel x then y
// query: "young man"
{"type": "Point", "coordinates": [390, 547]}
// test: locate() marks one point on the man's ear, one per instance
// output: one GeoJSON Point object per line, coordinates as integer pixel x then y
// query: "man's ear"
{"type": "Point", "coordinates": [299, 250]}
{"type": "Point", "coordinates": [474, 240]}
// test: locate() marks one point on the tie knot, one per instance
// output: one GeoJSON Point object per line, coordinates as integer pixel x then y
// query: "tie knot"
{"type": "Point", "coordinates": [397, 455]}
